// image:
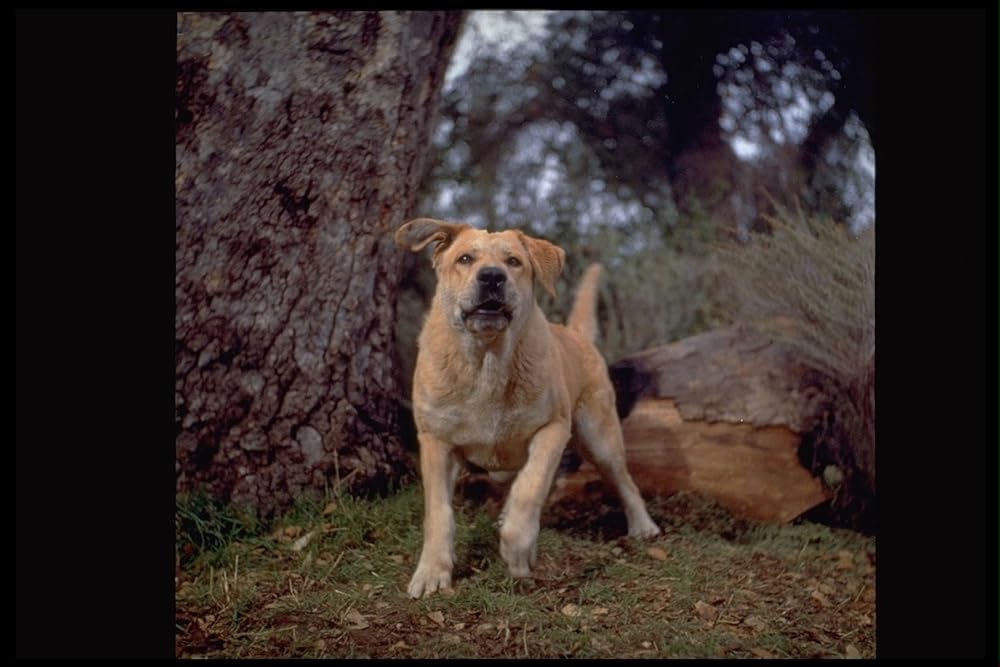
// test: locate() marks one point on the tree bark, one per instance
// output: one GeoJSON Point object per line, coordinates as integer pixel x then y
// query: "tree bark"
{"type": "Point", "coordinates": [300, 141]}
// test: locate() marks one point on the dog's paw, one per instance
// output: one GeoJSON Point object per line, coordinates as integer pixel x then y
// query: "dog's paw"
{"type": "Point", "coordinates": [519, 552]}
{"type": "Point", "coordinates": [428, 579]}
{"type": "Point", "coordinates": [642, 528]}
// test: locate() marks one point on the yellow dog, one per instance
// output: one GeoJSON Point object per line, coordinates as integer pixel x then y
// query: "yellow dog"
{"type": "Point", "coordinates": [498, 385]}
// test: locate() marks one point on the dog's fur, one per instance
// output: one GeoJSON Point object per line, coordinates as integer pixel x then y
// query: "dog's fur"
{"type": "Point", "coordinates": [498, 385]}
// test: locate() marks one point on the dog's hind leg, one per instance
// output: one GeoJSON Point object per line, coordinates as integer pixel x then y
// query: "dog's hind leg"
{"type": "Point", "coordinates": [600, 435]}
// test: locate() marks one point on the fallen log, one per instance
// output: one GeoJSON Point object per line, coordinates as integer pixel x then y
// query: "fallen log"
{"type": "Point", "coordinates": [723, 414]}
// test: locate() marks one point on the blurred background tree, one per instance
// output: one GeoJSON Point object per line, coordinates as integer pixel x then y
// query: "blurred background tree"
{"type": "Point", "coordinates": [636, 137]}
{"type": "Point", "coordinates": [650, 141]}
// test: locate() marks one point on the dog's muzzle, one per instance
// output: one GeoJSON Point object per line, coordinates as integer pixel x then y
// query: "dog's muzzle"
{"type": "Point", "coordinates": [491, 312]}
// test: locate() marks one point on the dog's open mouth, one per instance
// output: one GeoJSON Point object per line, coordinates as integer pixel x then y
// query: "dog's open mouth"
{"type": "Point", "coordinates": [490, 315]}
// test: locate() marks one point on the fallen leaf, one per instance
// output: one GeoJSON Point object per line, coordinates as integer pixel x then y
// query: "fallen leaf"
{"type": "Point", "coordinates": [646, 644]}
{"type": "Point", "coordinates": [571, 610]}
{"type": "Point", "coordinates": [851, 651]}
{"type": "Point", "coordinates": [437, 617]}
{"type": "Point", "coordinates": [448, 592]}
{"type": "Point", "coordinates": [665, 590]}
{"type": "Point", "coordinates": [616, 551]}
{"type": "Point", "coordinates": [599, 611]}
{"type": "Point", "coordinates": [356, 620]}
{"type": "Point", "coordinates": [761, 653]}
{"type": "Point", "coordinates": [399, 646]}
{"type": "Point", "coordinates": [865, 619]}
{"type": "Point", "coordinates": [754, 623]}
{"type": "Point", "coordinates": [321, 644]}
{"type": "Point", "coordinates": [599, 644]}
{"type": "Point", "coordinates": [300, 544]}
{"type": "Point", "coordinates": [657, 553]}
{"type": "Point", "coordinates": [819, 597]}
{"type": "Point", "coordinates": [705, 610]}
{"type": "Point", "coordinates": [293, 531]}
{"type": "Point", "coordinates": [397, 559]}
{"type": "Point", "coordinates": [452, 639]}
{"type": "Point", "coordinates": [459, 626]}
{"type": "Point", "coordinates": [329, 509]}
{"type": "Point", "coordinates": [845, 560]}
{"type": "Point", "coordinates": [483, 628]}
{"type": "Point", "coordinates": [365, 588]}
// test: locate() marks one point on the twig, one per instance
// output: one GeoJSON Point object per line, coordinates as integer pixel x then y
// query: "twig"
{"type": "Point", "coordinates": [267, 631]}
{"type": "Point", "coordinates": [211, 586]}
{"type": "Point", "coordinates": [724, 608]}
{"type": "Point", "coordinates": [225, 585]}
{"type": "Point", "coordinates": [345, 480]}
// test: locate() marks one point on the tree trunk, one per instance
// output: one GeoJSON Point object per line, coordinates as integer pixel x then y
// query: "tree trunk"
{"type": "Point", "coordinates": [722, 413]}
{"type": "Point", "coordinates": [300, 141]}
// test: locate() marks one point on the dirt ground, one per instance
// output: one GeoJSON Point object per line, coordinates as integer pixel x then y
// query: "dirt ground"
{"type": "Point", "coordinates": [711, 586]}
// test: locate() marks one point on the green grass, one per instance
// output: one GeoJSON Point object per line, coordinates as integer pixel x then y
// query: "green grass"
{"type": "Point", "coordinates": [243, 591]}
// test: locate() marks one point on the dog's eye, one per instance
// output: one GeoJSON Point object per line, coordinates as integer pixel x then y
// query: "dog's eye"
{"type": "Point", "coordinates": [465, 259]}
{"type": "Point", "coordinates": [513, 261]}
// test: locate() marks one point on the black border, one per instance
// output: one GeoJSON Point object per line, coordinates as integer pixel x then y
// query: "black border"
{"type": "Point", "coordinates": [93, 315]}
{"type": "Point", "coordinates": [936, 116]}
{"type": "Point", "coordinates": [94, 364]}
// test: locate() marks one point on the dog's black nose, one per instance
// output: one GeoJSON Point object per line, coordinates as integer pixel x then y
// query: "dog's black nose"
{"type": "Point", "coordinates": [491, 277]}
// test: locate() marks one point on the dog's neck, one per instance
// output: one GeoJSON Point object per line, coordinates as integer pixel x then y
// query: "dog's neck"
{"type": "Point", "coordinates": [482, 364]}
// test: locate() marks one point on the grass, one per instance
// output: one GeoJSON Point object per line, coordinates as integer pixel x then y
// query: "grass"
{"type": "Point", "coordinates": [329, 580]}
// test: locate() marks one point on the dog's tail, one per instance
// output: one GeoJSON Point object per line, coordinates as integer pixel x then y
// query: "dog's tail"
{"type": "Point", "coordinates": [583, 317]}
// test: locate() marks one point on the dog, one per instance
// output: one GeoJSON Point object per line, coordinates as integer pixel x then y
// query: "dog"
{"type": "Point", "coordinates": [496, 384]}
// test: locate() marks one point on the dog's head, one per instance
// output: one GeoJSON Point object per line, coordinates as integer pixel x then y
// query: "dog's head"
{"type": "Point", "coordinates": [485, 279]}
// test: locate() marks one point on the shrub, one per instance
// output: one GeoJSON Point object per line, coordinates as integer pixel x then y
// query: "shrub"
{"type": "Point", "coordinates": [811, 284]}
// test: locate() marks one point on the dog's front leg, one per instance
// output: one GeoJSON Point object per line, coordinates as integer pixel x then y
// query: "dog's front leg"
{"type": "Point", "coordinates": [522, 512]}
{"type": "Point", "coordinates": [439, 466]}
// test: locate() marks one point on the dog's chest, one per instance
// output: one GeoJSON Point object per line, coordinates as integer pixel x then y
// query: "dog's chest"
{"type": "Point", "coordinates": [490, 436]}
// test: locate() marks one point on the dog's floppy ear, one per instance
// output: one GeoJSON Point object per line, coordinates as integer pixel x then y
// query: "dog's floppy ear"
{"type": "Point", "coordinates": [546, 261]}
{"type": "Point", "coordinates": [416, 234]}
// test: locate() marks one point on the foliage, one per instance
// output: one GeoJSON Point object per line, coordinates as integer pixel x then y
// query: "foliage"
{"type": "Point", "coordinates": [602, 122]}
